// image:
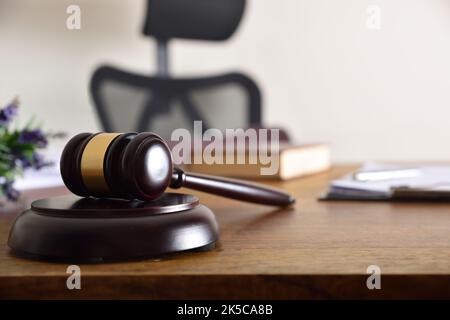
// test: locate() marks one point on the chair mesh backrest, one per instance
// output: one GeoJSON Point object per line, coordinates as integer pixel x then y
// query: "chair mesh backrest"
{"type": "Point", "coordinates": [128, 102]}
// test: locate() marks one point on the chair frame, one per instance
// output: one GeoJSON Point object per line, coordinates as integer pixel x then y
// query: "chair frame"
{"type": "Point", "coordinates": [170, 88]}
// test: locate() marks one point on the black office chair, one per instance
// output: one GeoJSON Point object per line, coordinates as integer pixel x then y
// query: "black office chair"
{"type": "Point", "coordinates": [130, 102]}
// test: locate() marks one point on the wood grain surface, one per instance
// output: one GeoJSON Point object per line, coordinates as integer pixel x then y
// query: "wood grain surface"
{"type": "Point", "coordinates": [314, 250]}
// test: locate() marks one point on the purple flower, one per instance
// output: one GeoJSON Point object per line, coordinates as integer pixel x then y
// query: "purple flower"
{"type": "Point", "coordinates": [36, 162]}
{"type": "Point", "coordinates": [34, 137]}
{"type": "Point", "coordinates": [24, 162]}
{"type": "Point", "coordinates": [9, 191]}
{"type": "Point", "coordinates": [7, 113]}
{"type": "Point", "coordinates": [39, 162]}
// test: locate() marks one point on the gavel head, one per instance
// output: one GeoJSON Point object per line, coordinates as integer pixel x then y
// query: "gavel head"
{"type": "Point", "coordinates": [117, 165]}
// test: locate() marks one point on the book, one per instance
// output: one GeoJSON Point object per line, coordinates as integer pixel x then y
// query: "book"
{"type": "Point", "coordinates": [293, 161]}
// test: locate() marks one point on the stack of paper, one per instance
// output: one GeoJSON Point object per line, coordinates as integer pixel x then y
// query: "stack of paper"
{"type": "Point", "coordinates": [47, 177]}
{"type": "Point", "coordinates": [388, 181]}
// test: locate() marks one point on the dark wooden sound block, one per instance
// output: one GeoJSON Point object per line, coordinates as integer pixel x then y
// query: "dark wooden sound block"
{"type": "Point", "coordinates": [70, 228]}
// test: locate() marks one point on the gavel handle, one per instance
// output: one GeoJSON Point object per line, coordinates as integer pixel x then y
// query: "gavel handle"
{"type": "Point", "coordinates": [231, 188]}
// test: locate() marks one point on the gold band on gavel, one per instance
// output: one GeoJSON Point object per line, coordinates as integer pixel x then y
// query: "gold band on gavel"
{"type": "Point", "coordinates": [92, 161]}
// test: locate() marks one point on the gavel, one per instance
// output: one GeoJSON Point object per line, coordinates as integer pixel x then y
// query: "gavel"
{"type": "Point", "coordinates": [139, 166]}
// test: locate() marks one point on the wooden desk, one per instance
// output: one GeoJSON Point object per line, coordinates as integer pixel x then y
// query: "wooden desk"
{"type": "Point", "coordinates": [315, 250]}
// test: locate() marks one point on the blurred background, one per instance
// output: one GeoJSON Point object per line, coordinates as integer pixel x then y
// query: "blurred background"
{"type": "Point", "coordinates": [373, 94]}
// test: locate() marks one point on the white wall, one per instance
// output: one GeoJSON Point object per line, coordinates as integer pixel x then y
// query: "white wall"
{"type": "Point", "coordinates": [326, 77]}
